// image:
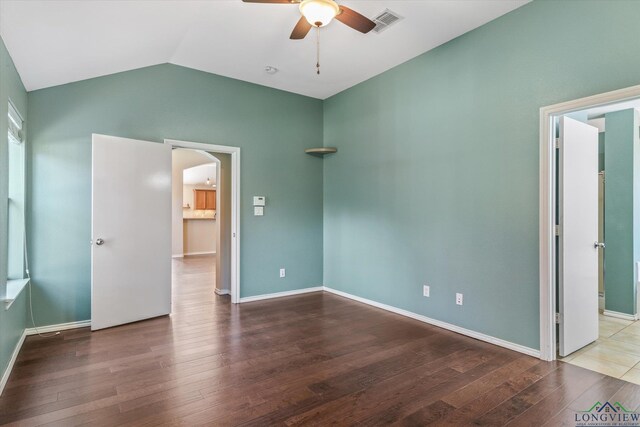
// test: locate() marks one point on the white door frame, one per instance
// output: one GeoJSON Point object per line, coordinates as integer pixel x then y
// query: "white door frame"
{"type": "Point", "coordinates": [235, 204]}
{"type": "Point", "coordinates": [548, 206]}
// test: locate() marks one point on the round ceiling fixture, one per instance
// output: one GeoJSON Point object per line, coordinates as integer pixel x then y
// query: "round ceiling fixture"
{"type": "Point", "coordinates": [270, 70]}
{"type": "Point", "coordinates": [319, 12]}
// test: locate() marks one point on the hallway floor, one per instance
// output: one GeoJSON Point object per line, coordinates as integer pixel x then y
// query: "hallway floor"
{"type": "Point", "coordinates": [194, 279]}
{"type": "Point", "coordinates": [312, 359]}
{"type": "Point", "coordinates": [615, 353]}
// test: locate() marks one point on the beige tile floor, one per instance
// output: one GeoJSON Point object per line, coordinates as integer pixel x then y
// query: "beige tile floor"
{"type": "Point", "coordinates": [616, 352]}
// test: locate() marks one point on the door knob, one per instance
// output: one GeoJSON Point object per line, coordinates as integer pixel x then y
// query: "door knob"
{"type": "Point", "coordinates": [99, 242]}
{"type": "Point", "coordinates": [598, 245]}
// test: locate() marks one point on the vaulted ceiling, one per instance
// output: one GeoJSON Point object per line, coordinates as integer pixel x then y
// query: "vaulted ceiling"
{"type": "Point", "coordinates": [54, 42]}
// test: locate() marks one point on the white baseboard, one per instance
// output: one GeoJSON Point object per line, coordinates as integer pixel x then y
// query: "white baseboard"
{"type": "Point", "coordinates": [222, 291]}
{"type": "Point", "coordinates": [473, 334]}
{"type": "Point", "coordinates": [58, 327]}
{"type": "Point", "coordinates": [198, 253]}
{"type": "Point", "coordinates": [282, 294]}
{"type": "Point", "coordinates": [619, 315]}
{"type": "Point", "coordinates": [32, 331]}
{"type": "Point", "coordinates": [12, 361]}
{"type": "Point", "coordinates": [177, 256]}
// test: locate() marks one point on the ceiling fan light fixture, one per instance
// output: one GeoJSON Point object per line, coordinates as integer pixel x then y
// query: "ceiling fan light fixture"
{"type": "Point", "coordinates": [319, 12]}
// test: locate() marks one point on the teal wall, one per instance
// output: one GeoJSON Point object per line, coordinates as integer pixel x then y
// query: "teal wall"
{"type": "Point", "coordinates": [12, 321]}
{"type": "Point", "coordinates": [12, 324]}
{"type": "Point", "coordinates": [436, 177]}
{"type": "Point", "coordinates": [167, 101]}
{"type": "Point", "coordinates": [622, 232]}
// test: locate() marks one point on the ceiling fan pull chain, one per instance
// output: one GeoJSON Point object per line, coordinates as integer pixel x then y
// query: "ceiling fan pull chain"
{"type": "Point", "coordinates": [318, 50]}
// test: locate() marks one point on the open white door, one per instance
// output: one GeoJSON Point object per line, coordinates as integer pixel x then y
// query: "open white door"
{"type": "Point", "coordinates": [578, 242]}
{"type": "Point", "coordinates": [131, 231]}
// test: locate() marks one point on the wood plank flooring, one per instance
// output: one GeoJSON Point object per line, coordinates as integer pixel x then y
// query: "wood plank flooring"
{"type": "Point", "coordinates": [315, 359]}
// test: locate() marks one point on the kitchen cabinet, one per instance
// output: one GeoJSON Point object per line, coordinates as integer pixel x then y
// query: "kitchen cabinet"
{"type": "Point", "coordinates": [204, 200]}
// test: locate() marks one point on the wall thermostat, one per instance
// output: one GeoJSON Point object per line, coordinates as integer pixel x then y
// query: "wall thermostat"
{"type": "Point", "coordinates": [258, 200]}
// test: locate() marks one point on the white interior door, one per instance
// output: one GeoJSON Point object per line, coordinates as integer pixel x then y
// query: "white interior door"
{"type": "Point", "coordinates": [131, 231]}
{"type": "Point", "coordinates": [578, 250]}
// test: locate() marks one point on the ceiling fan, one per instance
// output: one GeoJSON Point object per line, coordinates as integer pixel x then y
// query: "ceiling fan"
{"type": "Point", "coordinates": [319, 13]}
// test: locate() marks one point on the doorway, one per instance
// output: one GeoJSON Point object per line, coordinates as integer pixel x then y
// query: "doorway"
{"type": "Point", "coordinates": [227, 161]}
{"type": "Point", "coordinates": [197, 227]}
{"type": "Point", "coordinates": [588, 289]}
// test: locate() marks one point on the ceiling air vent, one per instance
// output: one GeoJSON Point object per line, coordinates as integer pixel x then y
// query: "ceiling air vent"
{"type": "Point", "coordinates": [385, 19]}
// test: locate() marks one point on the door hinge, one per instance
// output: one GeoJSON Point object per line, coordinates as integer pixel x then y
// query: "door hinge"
{"type": "Point", "coordinates": [556, 229]}
{"type": "Point", "coordinates": [558, 318]}
{"type": "Point", "coordinates": [557, 143]}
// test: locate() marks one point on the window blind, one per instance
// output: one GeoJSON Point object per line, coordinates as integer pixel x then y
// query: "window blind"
{"type": "Point", "coordinates": [15, 125]}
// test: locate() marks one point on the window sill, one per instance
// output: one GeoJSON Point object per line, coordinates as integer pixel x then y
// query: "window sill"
{"type": "Point", "coordinates": [14, 288]}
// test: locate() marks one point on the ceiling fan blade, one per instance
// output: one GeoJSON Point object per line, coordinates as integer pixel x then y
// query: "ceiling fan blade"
{"type": "Point", "coordinates": [273, 1]}
{"type": "Point", "coordinates": [301, 29]}
{"type": "Point", "coordinates": [355, 20]}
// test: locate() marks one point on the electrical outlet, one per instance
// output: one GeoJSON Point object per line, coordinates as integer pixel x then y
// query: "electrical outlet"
{"type": "Point", "coordinates": [425, 290]}
{"type": "Point", "coordinates": [282, 272]}
{"type": "Point", "coordinates": [459, 299]}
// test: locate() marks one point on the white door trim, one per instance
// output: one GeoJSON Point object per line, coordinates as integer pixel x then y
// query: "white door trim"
{"type": "Point", "coordinates": [235, 204]}
{"type": "Point", "coordinates": [548, 206]}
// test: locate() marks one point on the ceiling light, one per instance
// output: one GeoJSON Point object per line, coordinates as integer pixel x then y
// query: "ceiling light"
{"type": "Point", "coordinates": [319, 12]}
{"type": "Point", "coordinates": [270, 70]}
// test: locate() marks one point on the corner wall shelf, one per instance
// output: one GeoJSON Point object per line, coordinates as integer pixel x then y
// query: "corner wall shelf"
{"type": "Point", "coordinates": [321, 151]}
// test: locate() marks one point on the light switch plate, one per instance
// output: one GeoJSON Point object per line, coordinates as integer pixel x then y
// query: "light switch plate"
{"type": "Point", "coordinates": [259, 200]}
{"type": "Point", "coordinates": [425, 290]}
{"type": "Point", "coordinates": [258, 211]}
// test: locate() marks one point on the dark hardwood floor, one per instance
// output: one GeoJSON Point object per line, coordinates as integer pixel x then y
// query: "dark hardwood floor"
{"type": "Point", "coordinates": [315, 359]}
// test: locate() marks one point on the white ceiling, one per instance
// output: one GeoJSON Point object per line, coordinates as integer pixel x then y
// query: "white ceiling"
{"type": "Point", "coordinates": [54, 42]}
{"type": "Point", "coordinates": [199, 175]}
